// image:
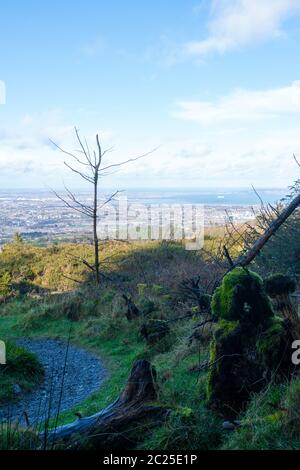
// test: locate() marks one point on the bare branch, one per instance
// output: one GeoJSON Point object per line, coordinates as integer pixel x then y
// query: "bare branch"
{"type": "Point", "coordinates": [297, 161]}
{"type": "Point", "coordinates": [71, 206]}
{"type": "Point", "coordinates": [68, 153]}
{"type": "Point", "coordinates": [85, 177]}
{"type": "Point", "coordinates": [109, 199]}
{"type": "Point", "coordinates": [129, 160]}
{"type": "Point", "coordinates": [227, 256]}
{"type": "Point", "coordinates": [86, 152]}
{"type": "Point", "coordinates": [80, 204]}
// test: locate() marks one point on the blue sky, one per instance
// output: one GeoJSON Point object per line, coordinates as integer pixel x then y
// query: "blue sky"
{"type": "Point", "coordinates": [213, 83]}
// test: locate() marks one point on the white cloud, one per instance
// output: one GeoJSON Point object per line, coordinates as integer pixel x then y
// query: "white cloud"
{"type": "Point", "coordinates": [243, 105]}
{"type": "Point", "coordinates": [232, 157]}
{"type": "Point", "coordinates": [236, 23]}
{"type": "Point", "coordinates": [27, 155]}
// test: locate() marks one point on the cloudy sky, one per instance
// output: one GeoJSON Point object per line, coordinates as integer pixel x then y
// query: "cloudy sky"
{"type": "Point", "coordinates": [215, 84]}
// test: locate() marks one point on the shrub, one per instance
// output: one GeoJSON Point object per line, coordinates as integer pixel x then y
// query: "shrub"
{"type": "Point", "coordinates": [278, 284]}
{"type": "Point", "coordinates": [187, 429]}
{"type": "Point", "coordinates": [5, 284]}
{"type": "Point", "coordinates": [22, 367]}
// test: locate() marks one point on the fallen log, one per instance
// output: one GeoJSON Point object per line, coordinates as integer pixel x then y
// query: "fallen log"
{"type": "Point", "coordinates": [111, 427]}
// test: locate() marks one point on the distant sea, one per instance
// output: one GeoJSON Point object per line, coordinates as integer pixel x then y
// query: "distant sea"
{"type": "Point", "coordinates": [214, 197]}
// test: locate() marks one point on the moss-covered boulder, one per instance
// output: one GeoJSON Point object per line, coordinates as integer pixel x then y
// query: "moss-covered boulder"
{"type": "Point", "coordinates": [249, 345]}
{"type": "Point", "coordinates": [241, 296]}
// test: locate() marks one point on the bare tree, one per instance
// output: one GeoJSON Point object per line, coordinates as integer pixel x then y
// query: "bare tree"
{"type": "Point", "coordinates": [89, 166]}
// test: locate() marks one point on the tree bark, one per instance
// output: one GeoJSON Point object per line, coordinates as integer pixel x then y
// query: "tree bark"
{"type": "Point", "coordinates": [110, 427]}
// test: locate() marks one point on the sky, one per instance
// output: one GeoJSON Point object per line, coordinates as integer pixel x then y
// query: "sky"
{"type": "Point", "coordinates": [212, 85]}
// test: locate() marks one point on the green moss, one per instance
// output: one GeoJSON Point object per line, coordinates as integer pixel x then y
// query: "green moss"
{"type": "Point", "coordinates": [225, 329]}
{"type": "Point", "coordinates": [212, 359]}
{"type": "Point", "coordinates": [269, 342]}
{"type": "Point", "coordinates": [225, 341]}
{"type": "Point", "coordinates": [241, 297]}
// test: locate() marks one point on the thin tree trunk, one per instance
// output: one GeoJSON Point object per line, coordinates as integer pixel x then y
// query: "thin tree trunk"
{"type": "Point", "coordinates": [96, 241]}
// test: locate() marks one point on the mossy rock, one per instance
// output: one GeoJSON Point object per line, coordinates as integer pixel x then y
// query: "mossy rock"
{"type": "Point", "coordinates": [249, 345]}
{"type": "Point", "coordinates": [241, 296]}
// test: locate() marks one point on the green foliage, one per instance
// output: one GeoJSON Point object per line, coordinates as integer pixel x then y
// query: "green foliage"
{"type": "Point", "coordinates": [278, 284]}
{"type": "Point", "coordinates": [146, 306]}
{"type": "Point", "coordinates": [5, 284]}
{"type": "Point", "coordinates": [18, 238]}
{"type": "Point", "coordinates": [271, 420]}
{"type": "Point", "coordinates": [98, 322]}
{"type": "Point", "coordinates": [241, 297]}
{"type": "Point", "coordinates": [187, 429]}
{"type": "Point", "coordinates": [22, 368]}
{"type": "Point", "coordinates": [154, 330]}
{"type": "Point", "coordinates": [269, 344]}
{"type": "Point", "coordinates": [14, 437]}
{"type": "Point", "coordinates": [205, 301]}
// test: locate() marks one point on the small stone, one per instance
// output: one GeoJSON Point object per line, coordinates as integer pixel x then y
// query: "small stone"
{"type": "Point", "coordinates": [228, 426]}
{"type": "Point", "coordinates": [17, 389]}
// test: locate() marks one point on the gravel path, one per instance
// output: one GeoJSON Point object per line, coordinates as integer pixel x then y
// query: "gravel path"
{"type": "Point", "coordinates": [84, 374]}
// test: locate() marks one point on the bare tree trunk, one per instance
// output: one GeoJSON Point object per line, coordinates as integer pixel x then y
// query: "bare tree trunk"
{"type": "Point", "coordinates": [96, 241]}
{"type": "Point", "coordinates": [246, 259]}
{"type": "Point", "coordinates": [111, 426]}
{"type": "Point", "coordinates": [90, 168]}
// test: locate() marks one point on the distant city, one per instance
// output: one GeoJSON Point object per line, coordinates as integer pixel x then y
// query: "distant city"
{"type": "Point", "coordinates": [42, 218]}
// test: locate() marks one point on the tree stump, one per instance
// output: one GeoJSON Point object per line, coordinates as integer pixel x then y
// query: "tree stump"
{"type": "Point", "coordinates": [111, 427]}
